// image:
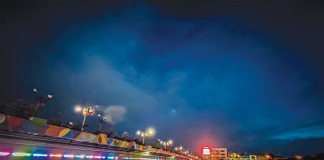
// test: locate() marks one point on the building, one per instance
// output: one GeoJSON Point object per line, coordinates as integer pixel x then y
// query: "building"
{"type": "Point", "coordinates": [218, 154]}
{"type": "Point", "coordinates": [232, 156]}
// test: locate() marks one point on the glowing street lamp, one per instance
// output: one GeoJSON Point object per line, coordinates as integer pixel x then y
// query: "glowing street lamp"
{"type": "Point", "coordinates": [165, 144]}
{"type": "Point", "coordinates": [267, 156]}
{"type": "Point", "coordinates": [146, 134]}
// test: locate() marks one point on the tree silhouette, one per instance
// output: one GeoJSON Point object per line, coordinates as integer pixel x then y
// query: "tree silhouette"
{"type": "Point", "coordinates": [17, 108]}
{"type": "Point", "coordinates": [272, 156]}
{"type": "Point", "coordinates": [111, 134]}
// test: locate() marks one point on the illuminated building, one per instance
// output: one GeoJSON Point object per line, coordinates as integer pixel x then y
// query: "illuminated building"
{"type": "Point", "coordinates": [215, 154]}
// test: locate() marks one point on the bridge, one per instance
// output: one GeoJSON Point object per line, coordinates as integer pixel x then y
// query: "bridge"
{"type": "Point", "coordinates": [35, 139]}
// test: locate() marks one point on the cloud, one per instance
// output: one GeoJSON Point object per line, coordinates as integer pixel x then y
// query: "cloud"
{"type": "Point", "coordinates": [302, 133]}
{"type": "Point", "coordinates": [115, 114]}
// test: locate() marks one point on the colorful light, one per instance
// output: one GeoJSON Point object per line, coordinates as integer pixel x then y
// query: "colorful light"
{"type": "Point", "coordinates": [68, 156]}
{"type": "Point", "coordinates": [110, 157]}
{"type": "Point", "coordinates": [56, 155]}
{"type": "Point", "coordinates": [20, 154]}
{"type": "Point", "coordinates": [4, 153]}
{"type": "Point", "coordinates": [97, 157]}
{"type": "Point", "coordinates": [84, 111]}
{"type": "Point", "coordinates": [103, 157]}
{"type": "Point", "coordinates": [39, 155]}
{"type": "Point", "coordinates": [79, 156]}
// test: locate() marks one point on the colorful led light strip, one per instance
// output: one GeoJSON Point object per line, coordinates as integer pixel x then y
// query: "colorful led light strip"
{"type": "Point", "coordinates": [97, 157]}
{"type": "Point", "coordinates": [20, 154]}
{"type": "Point", "coordinates": [89, 156]}
{"type": "Point", "coordinates": [79, 156]}
{"type": "Point", "coordinates": [4, 153]}
{"type": "Point", "coordinates": [110, 157]}
{"type": "Point", "coordinates": [68, 156]}
{"type": "Point", "coordinates": [56, 155]}
{"type": "Point", "coordinates": [103, 157]}
{"type": "Point", "coordinates": [39, 155]}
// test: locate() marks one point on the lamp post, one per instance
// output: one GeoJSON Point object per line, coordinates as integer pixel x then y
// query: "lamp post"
{"type": "Point", "coordinates": [101, 120]}
{"type": "Point", "coordinates": [40, 99]}
{"type": "Point", "coordinates": [86, 111]}
{"type": "Point", "coordinates": [178, 148]}
{"type": "Point", "coordinates": [146, 134]}
{"type": "Point", "coordinates": [165, 144]}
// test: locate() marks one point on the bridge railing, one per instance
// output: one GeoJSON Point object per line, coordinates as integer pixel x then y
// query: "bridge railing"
{"type": "Point", "coordinates": [39, 126]}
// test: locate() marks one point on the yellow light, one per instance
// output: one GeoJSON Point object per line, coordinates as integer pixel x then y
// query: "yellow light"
{"type": "Point", "coordinates": [151, 131]}
{"type": "Point", "coordinates": [78, 109]}
{"type": "Point", "coordinates": [170, 141]}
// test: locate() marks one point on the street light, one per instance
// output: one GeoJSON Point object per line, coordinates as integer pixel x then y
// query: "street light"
{"type": "Point", "coordinates": [165, 144]}
{"type": "Point", "coordinates": [146, 134]}
{"type": "Point", "coordinates": [298, 157]}
{"type": "Point", "coordinates": [78, 109]}
{"type": "Point", "coordinates": [40, 99]}
{"type": "Point", "coordinates": [88, 111]}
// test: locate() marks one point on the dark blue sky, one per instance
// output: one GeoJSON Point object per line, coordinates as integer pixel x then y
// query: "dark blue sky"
{"type": "Point", "coordinates": [245, 76]}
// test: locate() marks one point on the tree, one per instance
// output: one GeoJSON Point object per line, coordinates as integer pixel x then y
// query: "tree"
{"type": "Point", "coordinates": [272, 156]}
{"type": "Point", "coordinates": [308, 158]}
{"type": "Point", "coordinates": [138, 141]}
{"type": "Point", "coordinates": [111, 134]}
{"type": "Point", "coordinates": [291, 158]}
{"type": "Point", "coordinates": [127, 137]}
{"type": "Point", "coordinates": [319, 156]}
{"type": "Point", "coordinates": [78, 126]}
{"type": "Point", "coordinates": [17, 108]}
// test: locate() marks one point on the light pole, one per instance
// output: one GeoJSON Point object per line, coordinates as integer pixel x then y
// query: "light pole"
{"type": "Point", "coordinates": [86, 111]}
{"type": "Point", "coordinates": [146, 134]}
{"type": "Point", "coordinates": [165, 144]}
{"type": "Point", "coordinates": [178, 148]}
{"type": "Point", "coordinates": [40, 99]}
{"type": "Point", "coordinates": [101, 120]}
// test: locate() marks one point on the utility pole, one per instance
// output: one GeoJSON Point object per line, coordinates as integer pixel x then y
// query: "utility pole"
{"type": "Point", "coordinates": [40, 99]}
{"type": "Point", "coordinates": [101, 120]}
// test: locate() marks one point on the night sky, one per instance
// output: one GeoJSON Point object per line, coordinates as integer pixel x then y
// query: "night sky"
{"type": "Point", "coordinates": [248, 76]}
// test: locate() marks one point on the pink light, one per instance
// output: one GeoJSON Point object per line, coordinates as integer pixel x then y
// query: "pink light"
{"type": "Point", "coordinates": [99, 157]}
